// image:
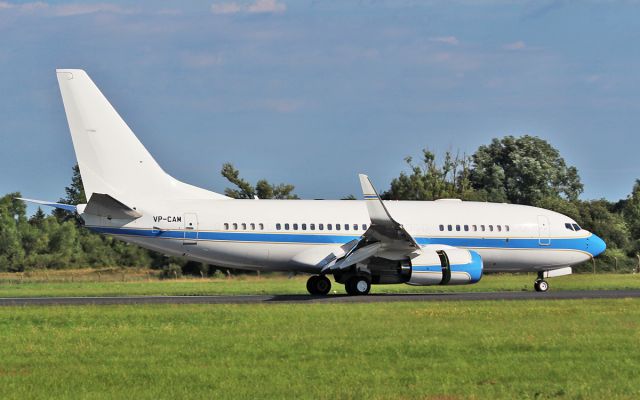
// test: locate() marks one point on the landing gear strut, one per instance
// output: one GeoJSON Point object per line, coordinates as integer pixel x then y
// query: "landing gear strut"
{"type": "Point", "coordinates": [319, 285]}
{"type": "Point", "coordinates": [358, 285]}
{"type": "Point", "coordinates": [540, 285]}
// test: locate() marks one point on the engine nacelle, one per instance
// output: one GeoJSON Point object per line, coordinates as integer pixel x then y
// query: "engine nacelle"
{"type": "Point", "coordinates": [444, 267]}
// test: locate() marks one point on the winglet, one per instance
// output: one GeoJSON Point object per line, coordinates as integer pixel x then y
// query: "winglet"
{"type": "Point", "coordinates": [68, 207]}
{"type": "Point", "coordinates": [382, 223]}
{"type": "Point", "coordinates": [377, 211]}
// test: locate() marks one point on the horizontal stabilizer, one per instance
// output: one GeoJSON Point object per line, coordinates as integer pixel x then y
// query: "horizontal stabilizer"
{"type": "Point", "coordinates": [68, 207]}
{"type": "Point", "coordinates": [104, 205]}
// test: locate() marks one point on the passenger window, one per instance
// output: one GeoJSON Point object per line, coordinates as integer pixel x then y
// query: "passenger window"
{"type": "Point", "coordinates": [346, 227]}
{"type": "Point", "coordinates": [474, 228]}
{"type": "Point", "coordinates": [482, 228]}
{"type": "Point", "coordinates": [286, 227]}
{"type": "Point", "coordinates": [235, 226]}
{"type": "Point", "coordinates": [312, 227]}
{"type": "Point", "coordinates": [490, 228]}
{"type": "Point", "coordinates": [355, 227]}
{"type": "Point", "coordinates": [295, 227]}
{"type": "Point", "coordinates": [261, 226]}
{"type": "Point", "coordinates": [466, 228]}
{"type": "Point", "coordinates": [507, 227]}
{"type": "Point", "coordinates": [226, 226]}
{"type": "Point", "coordinates": [304, 227]}
{"type": "Point", "coordinates": [576, 227]}
{"type": "Point", "coordinates": [449, 228]}
{"type": "Point", "coordinates": [329, 227]}
{"type": "Point", "coordinates": [320, 227]}
{"type": "Point", "coordinates": [441, 228]}
{"type": "Point", "coordinates": [364, 227]}
{"type": "Point", "coordinates": [278, 227]}
{"type": "Point", "coordinates": [253, 226]}
{"type": "Point", "coordinates": [337, 227]}
{"type": "Point", "coordinates": [457, 228]}
{"type": "Point", "coordinates": [499, 228]}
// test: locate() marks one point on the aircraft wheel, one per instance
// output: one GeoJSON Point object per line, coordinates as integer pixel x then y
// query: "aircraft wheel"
{"type": "Point", "coordinates": [358, 285]}
{"type": "Point", "coordinates": [318, 285]}
{"type": "Point", "coordinates": [541, 285]}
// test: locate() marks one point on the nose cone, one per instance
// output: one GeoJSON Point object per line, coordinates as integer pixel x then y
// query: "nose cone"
{"type": "Point", "coordinates": [596, 246]}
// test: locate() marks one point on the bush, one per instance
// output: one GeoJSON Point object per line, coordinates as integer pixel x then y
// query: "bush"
{"type": "Point", "coordinates": [171, 271]}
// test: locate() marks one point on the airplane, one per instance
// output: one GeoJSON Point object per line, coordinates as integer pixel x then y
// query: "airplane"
{"type": "Point", "coordinates": [358, 242]}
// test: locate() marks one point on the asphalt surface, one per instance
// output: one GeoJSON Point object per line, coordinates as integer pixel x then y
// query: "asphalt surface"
{"type": "Point", "coordinates": [300, 299]}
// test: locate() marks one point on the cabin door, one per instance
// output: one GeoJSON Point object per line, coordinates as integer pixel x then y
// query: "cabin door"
{"type": "Point", "coordinates": [543, 229]}
{"type": "Point", "coordinates": [190, 229]}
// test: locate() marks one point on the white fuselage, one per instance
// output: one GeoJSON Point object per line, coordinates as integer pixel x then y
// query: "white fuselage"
{"type": "Point", "coordinates": [294, 235]}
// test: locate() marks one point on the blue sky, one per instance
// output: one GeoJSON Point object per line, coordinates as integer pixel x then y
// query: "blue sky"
{"type": "Point", "coordinates": [314, 92]}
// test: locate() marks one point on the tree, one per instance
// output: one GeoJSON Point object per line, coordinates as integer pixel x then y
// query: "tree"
{"type": "Point", "coordinates": [12, 216]}
{"type": "Point", "coordinates": [263, 189]}
{"type": "Point", "coordinates": [630, 209]}
{"type": "Point", "coordinates": [523, 170]}
{"type": "Point", "coordinates": [75, 195]}
{"type": "Point", "coordinates": [430, 181]}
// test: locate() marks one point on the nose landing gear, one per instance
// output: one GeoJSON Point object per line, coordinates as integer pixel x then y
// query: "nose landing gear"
{"type": "Point", "coordinates": [540, 285]}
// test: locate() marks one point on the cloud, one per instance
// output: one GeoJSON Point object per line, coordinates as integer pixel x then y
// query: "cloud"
{"type": "Point", "coordinates": [257, 7]}
{"type": "Point", "coordinates": [267, 6]}
{"type": "Point", "coordinates": [202, 60]}
{"type": "Point", "coordinates": [519, 45]}
{"type": "Point", "coordinates": [67, 10]}
{"type": "Point", "coordinates": [64, 10]}
{"type": "Point", "coordinates": [451, 40]}
{"type": "Point", "coordinates": [283, 105]}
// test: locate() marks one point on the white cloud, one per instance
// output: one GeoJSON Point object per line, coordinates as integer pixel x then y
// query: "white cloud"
{"type": "Point", "coordinates": [64, 10]}
{"type": "Point", "coordinates": [283, 105]}
{"type": "Point", "coordinates": [267, 6]}
{"type": "Point", "coordinates": [451, 40]}
{"type": "Point", "coordinates": [226, 8]}
{"type": "Point", "coordinates": [257, 7]}
{"type": "Point", "coordinates": [202, 60]}
{"type": "Point", "coordinates": [519, 45]}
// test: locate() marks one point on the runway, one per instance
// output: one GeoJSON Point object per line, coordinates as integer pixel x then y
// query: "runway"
{"type": "Point", "coordinates": [331, 299]}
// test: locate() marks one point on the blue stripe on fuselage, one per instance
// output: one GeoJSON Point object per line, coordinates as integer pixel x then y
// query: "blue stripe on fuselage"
{"type": "Point", "coordinates": [580, 244]}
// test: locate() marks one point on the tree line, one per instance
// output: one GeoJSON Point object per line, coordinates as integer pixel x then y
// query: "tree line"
{"type": "Point", "coordinates": [522, 170]}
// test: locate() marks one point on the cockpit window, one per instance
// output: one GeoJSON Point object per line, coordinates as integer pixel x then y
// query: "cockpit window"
{"type": "Point", "coordinates": [576, 227]}
{"type": "Point", "coordinates": [568, 226]}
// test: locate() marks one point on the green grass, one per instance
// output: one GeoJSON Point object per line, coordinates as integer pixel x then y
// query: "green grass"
{"type": "Point", "coordinates": [67, 284]}
{"type": "Point", "coordinates": [450, 350]}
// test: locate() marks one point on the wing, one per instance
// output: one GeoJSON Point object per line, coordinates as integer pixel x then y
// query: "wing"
{"type": "Point", "coordinates": [385, 237]}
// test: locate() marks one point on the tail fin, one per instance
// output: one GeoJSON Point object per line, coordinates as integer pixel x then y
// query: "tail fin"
{"type": "Point", "coordinates": [111, 158]}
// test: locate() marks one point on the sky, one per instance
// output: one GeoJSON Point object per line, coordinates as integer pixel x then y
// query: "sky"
{"type": "Point", "coordinates": [314, 92]}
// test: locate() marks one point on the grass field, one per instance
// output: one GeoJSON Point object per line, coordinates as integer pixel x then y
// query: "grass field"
{"type": "Point", "coordinates": [453, 350]}
{"type": "Point", "coordinates": [119, 283]}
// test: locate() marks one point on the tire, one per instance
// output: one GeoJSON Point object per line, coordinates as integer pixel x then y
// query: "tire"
{"type": "Point", "coordinates": [323, 285]}
{"type": "Point", "coordinates": [543, 286]}
{"type": "Point", "coordinates": [358, 285]}
{"type": "Point", "coordinates": [318, 285]}
{"type": "Point", "coordinates": [311, 284]}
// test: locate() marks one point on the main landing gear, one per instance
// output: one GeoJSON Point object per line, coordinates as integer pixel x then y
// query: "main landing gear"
{"type": "Point", "coordinates": [540, 285]}
{"type": "Point", "coordinates": [319, 285]}
{"type": "Point", "coordinates": [358, 285]}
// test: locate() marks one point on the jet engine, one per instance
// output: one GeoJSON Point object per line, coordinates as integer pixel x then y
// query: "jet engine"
{"type": "Point", "coordinates": [450, 266]}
